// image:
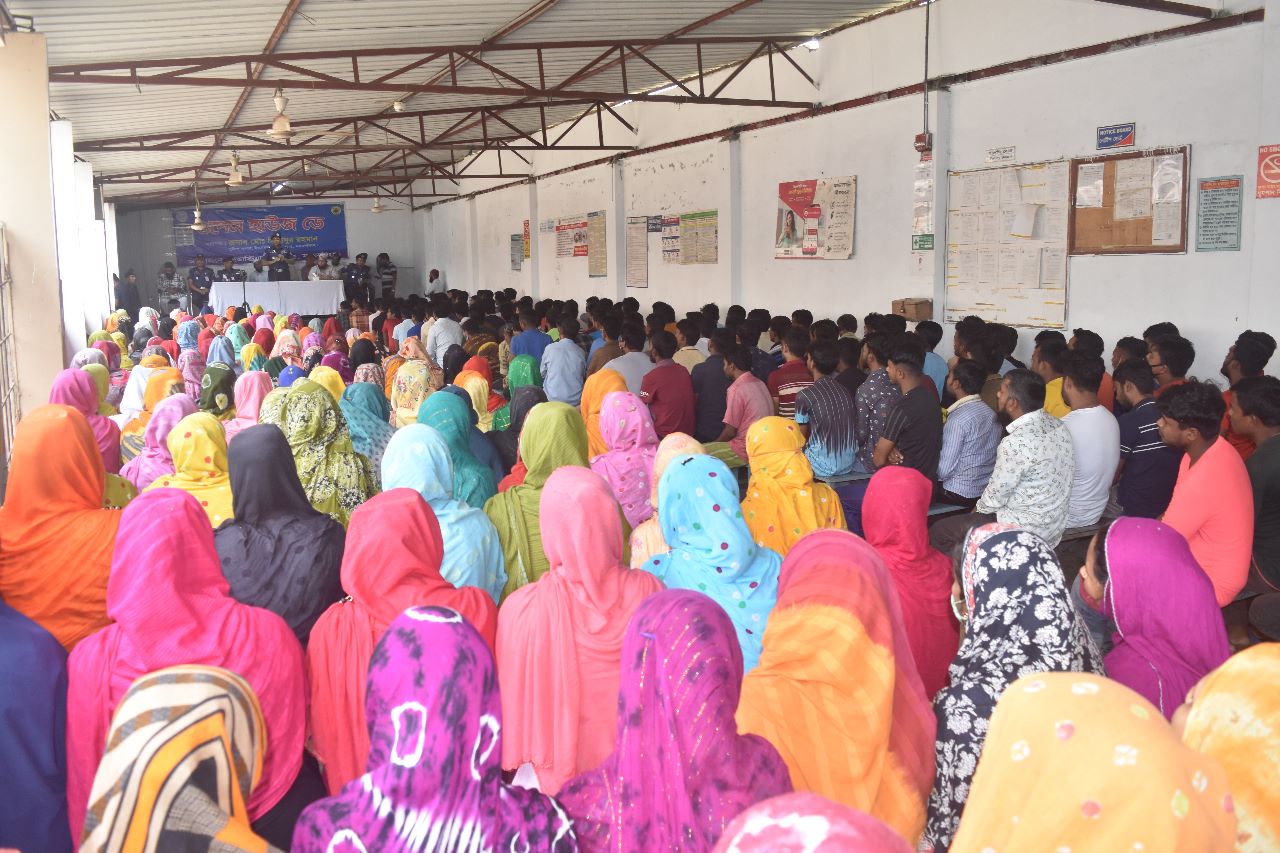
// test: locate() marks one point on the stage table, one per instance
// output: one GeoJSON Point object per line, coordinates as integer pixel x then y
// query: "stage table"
{"type": "Point", "coordinates": [283, 297]}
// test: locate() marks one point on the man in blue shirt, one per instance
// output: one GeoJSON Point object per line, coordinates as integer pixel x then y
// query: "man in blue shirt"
{"type": "Point", "coordinates": [970, 437]}
{"type": "Point", "coordinates": [199, 283]}
{"type": "Point", "coordinates": [935, 367]}
{"type": "Point", "coordinates": [564, 366]}
{"type": "Point", "coordinates": [1148, 467]}
{"type": "Point", "coordinates": [532, 341]}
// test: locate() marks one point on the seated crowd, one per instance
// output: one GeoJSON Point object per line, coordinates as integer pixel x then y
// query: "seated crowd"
{"type": "Point", "coordinates": [474, 572]}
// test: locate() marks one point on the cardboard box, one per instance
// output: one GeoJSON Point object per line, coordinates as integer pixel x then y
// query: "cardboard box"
{"type": "Point", "coordinates": [914, 309]}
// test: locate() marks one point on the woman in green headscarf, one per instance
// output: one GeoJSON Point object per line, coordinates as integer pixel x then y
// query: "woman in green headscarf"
{"type": "Point", "coordinates": [450, 415]}
{"type": "Point", "coordinates": [522, 371]}
{"type": "Point", "coordinates": [553, 436]}
{"type": "Point", "coordinates": [335, 477]}
{"type": "Point", "coordinates": [238, 337]}
{"type": "Point", "coordinates": [102, 383]}
{"type": "Point", "coordinates": [218, 392]}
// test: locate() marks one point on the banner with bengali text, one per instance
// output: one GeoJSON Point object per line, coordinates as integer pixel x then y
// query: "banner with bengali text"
{"type": "Point", "coordinates": [244, 233]}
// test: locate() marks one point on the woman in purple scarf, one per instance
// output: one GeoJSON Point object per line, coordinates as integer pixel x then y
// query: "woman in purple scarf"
{"type": "Point", "coordinates": [680, 772]}
{"type": "Point", "coordinates": [1169, 631]}
{"type": "Point", "coordinates": [435, 776]}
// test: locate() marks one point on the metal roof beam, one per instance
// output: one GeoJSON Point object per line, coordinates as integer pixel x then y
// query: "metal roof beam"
{"type": "Point", "coordinates": [1165, 6]}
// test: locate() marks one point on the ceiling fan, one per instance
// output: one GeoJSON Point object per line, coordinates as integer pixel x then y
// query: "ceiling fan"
{"type": "Point", "coordinates": [282, 128]}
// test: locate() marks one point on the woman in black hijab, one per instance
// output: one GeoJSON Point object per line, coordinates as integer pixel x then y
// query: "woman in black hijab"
{"type": "Point", "coordinates": [454, 357]}
{"type": "Point", "coordinates": [507, 441]}
{"type": "Point", "coordinates": [363, 352]}
{"type": "Point", "coordinates": [277, 553]}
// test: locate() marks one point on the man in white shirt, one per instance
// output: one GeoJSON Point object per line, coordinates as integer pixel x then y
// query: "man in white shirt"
{"type": "Point", "coordinates": [1095, 439]}
{"type": "Point", "coordinates": [259, 272]}
{"type": "Point", "coordinates": [435, 284]}
{"type": "Point", "coordinates": [445, 331]}
{"type": "Point", "coordinates": [634, 362]}
{"type": "Point", "coordinates": [322, 271]}
{"type": "Point", "coordinates": [1031, 484]}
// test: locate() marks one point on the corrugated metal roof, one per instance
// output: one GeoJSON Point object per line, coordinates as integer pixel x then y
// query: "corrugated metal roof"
{"type": "Point", "coordinates": [80, 31]}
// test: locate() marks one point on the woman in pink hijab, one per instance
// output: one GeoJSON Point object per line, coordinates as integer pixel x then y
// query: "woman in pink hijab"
{"type": "Point", "coordinates": [251, 388]}
{"type": "Point", "coordinates": [627, 429]}
{"type": "Point", "coordinates": [560, 639]}
{"type": "Point", "coordinates": [75, 388]}
{"type": "Point", "coordinates": [171, 606]}
{"type": "Point", "coordinates": [680, 772]}
{"type": "Point", "coordinates": [155, 460]}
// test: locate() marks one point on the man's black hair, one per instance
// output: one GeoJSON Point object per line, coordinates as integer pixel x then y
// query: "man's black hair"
{"type": "Point", "coordinates": [1087, 342]}
{"type": "Point", "coordinates": [1259, 396]}
{"type": "Point", "coordinates": [1177, 353]}
{"type": "Point", "coordinates": [1137, 371]}
{"type": "Point", "coordinates": [1194, 405]}
{"type": "Point", "coordinates": [969, 375]}
{"type": "Point", "coordinates": [1027, 387]}
{"type": "Point", "coordinates": [930, 332]}
{"type": "Point", "coordinates": [633, 337]}
{"type": "Point", "coordinates": [1084, 370]}
{"type": "Point", "coordinates": [1253, 351]}
{"type": "Point", "coordinates": [825, 355]}
{"type": "Point", "coordinates": [797, 341]}
{"type": "Point", "coordinates": [1156, 330]}
{"type": "Point", "coordinates": [907, 351]}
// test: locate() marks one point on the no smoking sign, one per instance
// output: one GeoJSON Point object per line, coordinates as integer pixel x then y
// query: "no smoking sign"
{"type": "Point", "coordinates": [1269, 171]}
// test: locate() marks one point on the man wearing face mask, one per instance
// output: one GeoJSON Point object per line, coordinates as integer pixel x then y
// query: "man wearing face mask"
{"type": "Point", "coordinates": [1030, 486]}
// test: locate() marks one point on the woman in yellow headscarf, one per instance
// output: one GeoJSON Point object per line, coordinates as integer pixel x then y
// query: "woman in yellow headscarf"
{"type": "Point", "coordinates": [1075, 761]}
{"type": "Point", "coordinates": [330, 380]}
{"type": "Point", "coordinates": [251, 353]}
{"type": "Point", "coordinates": [161, 384]}
{"type": "Point", "coordinates": [477, 388]}
{"type": "Point", "coordinates": [598, 384]}
{"type": "Point", "coordinates": [1233, 715]}
{"type": "Point", "coordinates": [102, 384]}
{"type": "Point", "coordinates": [122, 342]}
{"type": "Point", "coordinates": [783, 502]}
{"type": "Point", "coordinates": [199, 450]}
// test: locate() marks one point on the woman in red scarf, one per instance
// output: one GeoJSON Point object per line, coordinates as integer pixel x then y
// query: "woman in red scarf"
{"type": "Point", "coordinates": [391, 562]}
{"type": "Point", "coordinates": [894, 516]}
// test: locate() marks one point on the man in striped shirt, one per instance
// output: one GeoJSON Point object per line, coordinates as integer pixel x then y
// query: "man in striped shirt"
{"type": "Point", "coordinates": [969, 438]}
{"type": "Point", "coordinates": [794, 376]}
{"type": "Point", "coordinates": [1148, 467]}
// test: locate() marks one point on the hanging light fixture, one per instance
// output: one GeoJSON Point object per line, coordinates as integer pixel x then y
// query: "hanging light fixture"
{"type": "Point", "coordinates": [235, 179]}
{"type": "Point", "coordinates": [280, 126]}
{"type": "Point", "coordinates": [377, 205]}
{"type": "Point", "coordinates": [197, 223]}
{"type": "Point", "coordinates": [398, 105]}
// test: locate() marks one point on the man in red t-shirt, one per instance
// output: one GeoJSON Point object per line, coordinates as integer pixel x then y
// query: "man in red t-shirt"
{"type": "Point", "coordinates": [1247, 357]}
{"type": "Point", "coordinates": [667, 388]}
{"type": "Point", "coordinates": [794, 376]}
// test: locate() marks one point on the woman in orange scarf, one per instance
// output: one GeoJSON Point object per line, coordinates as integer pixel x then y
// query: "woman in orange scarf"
{"type": "Point", "coordinates": [56, 541]}
{"type": "Point", "coordinates": [853, 722]}
{"type": "Point", "coordinates": [391, 562]}
{"type": "Point", "coordinates": [594, 390]}
{"type": "Point", "coordinates": [1075, 761]}
{"type": "Point", "coordinates": [1233, 715]}
{"type": "Point", "coordinates": [560, 639]}
{"type": "Point", "coordinates": [783, 502]}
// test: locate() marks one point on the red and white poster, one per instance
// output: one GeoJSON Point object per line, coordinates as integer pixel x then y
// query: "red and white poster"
{"type": "Point", "coordinates": [1269, 171]}
{"type": "Point", "coordinates": [571, 237]}
{"type": "Point", "coordinates": [816, 219]}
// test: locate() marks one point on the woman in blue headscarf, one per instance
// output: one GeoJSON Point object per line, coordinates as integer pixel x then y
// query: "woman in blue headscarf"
{"type": "Point", "coordinates": [473, 482]}
{"type": "Point", "coordinates": [290, 375]}
{"type": "Point", "coordinates": [711, 548]}
{"type": "Point", "coordinates": [367, 412]}
{"type": "Point", "coordinates": [417, 458]}
{"type": "Point", "coordinates": [480, 446]}
{"type": "Point", "coordinates": [188, 335]}
{"type": "Point", "coordinates": [222, 352]}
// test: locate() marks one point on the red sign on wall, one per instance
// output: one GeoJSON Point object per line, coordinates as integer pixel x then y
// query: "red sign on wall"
{"type": "Point", "coordinates": [1269, 171]}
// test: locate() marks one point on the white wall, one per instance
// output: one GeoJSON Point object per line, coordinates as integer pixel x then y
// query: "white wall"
{"type": "Point", "coordinates": [1213, 91]}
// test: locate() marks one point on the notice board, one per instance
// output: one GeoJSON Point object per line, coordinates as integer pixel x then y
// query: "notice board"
{"type": "Point", "coordinates": [1129, 204]}
{"type": "Point", "coordinates": [1006, 236]}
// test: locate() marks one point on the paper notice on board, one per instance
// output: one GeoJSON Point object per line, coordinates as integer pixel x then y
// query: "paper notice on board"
{"type": "Point", "coordinates": [1053, 267]}
{"type": "Point", "coordinates": [1007, 216]}
{"type": "Point", "coordinates": [637, 251]}
{"type": "Point", "coordinates": [1028, 267]}
{"type": "Point", "coordinates": [988, 265]}
{"type": "Point", "coordinates": [989, 189]}
{"type": "Point", "coordinates": [1089, 184]}
{"type": "Point", "coordinates": [1010, 189]}
{"type": "Point", "coordinates": [967, 266]}
{"type": "Point", "coordinates": [1166, 224]}
{"type": "Point", "coordinates": [1134, 173]}
{"type": "Point", "coordinates": [1024, 222]}
{"type": "Point", "coordinates": [1166, 179]}
{"type": "Point", "coordinates": [1033, 186]}
{"type": "Point", "coordinates": [1133, 203]}
{"type": "Point", "coordinates": [968, 188]}
{"type": "Point", "coordinates": [1055, 182]}
{"type": "Point", "coordinates": [989, 226]}
{"type": "Point", "coordinates": [968, 228]}
{"type": "Point", "coordinates": [1007, 269]}
{"type": "Point", "coordinates": [1055, 221]}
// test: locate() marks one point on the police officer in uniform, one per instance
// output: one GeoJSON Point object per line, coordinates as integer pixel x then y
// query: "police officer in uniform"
{"type": "Point", "coordinates": [356, 278]}
{"type": "Point", "coordinates": [229, 272]}
{"type": "Point", "coordinates": [278, 260]}
{"type": "Point", "coordinates": [199, 283]}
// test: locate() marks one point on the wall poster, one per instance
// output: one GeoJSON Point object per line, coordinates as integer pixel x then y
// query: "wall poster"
{"type": "Point", "coordinates": [1218, 214]}
{"type": "Point", "coordinates": [699, 237]}
{"type": "Point", "coordinates": [517, 251]}
{"type": "Point", "coordinates": [597, 253]}
{"type": "Point", "coordinates": [638, 250]}
{"type": "Point", "coordinates": [571, 237]}
{"type": "Point", "coordinates": [816, 219]}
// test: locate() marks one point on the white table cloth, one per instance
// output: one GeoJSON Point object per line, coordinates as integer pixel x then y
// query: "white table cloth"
{"type": "Point", "coordinates": [283, 297]}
